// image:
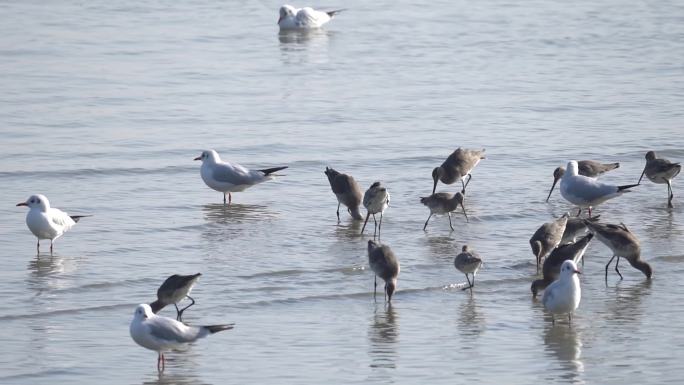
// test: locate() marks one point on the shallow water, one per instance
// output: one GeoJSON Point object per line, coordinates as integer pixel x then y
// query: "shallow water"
{"type": "Point", "coordinates": [105, 104]}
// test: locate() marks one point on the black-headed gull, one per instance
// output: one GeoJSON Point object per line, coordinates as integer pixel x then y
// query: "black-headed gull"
{"type": "Point", "coordinates": [590, 168]}
{"type": "Point", "coordinates": [292, 18]}
{"type": "Point", "coordinates": [586, 192]}
{"type": "Point", "coordinates": [456, 167]}
{"type": "Point", "coordinates": [347, 192]}
{"type": "Point", "coordinates": [173, 290]}
{"type": "Point", "coordinates": [162, 334]}
{"type": "Point", "coordinates": [563, 295]}
{"type": "Point", "coordinates": [552, 264]}
{"type": "Point", "coordinates": [47, 222]}
{"type": "Point", "coordinates": [661, 170]}
{"type": "Point", "coordinates": [385, 265]}
{"type": "Point", "coordinates": [229, 177]}
{"type": "Point", "coordinates": [375, 200]}
{"type": "Point", "coordinates": [468, 262]}
{"type": "Point", "coordinates": [547, 237]}
{"type": "Point", "coordinates": [443, 203]}
{"type": "Point", "coordinates": [623, 243]}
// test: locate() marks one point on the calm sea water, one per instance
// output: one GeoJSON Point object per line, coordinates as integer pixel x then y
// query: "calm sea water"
{"type": "Point", "coordinates": [105, 104]}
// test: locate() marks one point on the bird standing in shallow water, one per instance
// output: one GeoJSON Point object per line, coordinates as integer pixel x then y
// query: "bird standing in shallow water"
{"type": "Point", "coordinates": [547, 237]}
{"type": "Point", "coordinates": [456, 167]}
{"type": "Point", "coordinates": [46, 222]}
{"type": "Point", "coordinates": [563, 295]}
{"type": "Point", "coordinates": [443, 203]}
{"type": "Point", "coordinates": [661, 170]}
{"type": "Point", "coordinates": [468, 262]}
{"type": "Point", "coordinates": [346, 191]}
{"type": "Point", "coordinates": [173, 290]}
{"type": "Point", "coordinates": [552, 264]}
{"type": "Point", "coordinates": [623, 243]}
{"type": "Point", "coordinates": [588, 168]}
{"type": "Point", "coordinates": [385, 265]}
{"type": "Point", "coordinates": [229, 177]}
{"type": "Point", "coordinates": [375, 200]}
{"type": "Point", "coordinates": [306, 18]}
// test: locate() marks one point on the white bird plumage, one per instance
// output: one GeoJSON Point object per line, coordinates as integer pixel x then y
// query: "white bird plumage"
{"type": "Point", "coordinates": [563, 295]}
{"type": "Point", "coordinates": [292, 18]}
{"type": "Point", "coordinates": [47, 222]}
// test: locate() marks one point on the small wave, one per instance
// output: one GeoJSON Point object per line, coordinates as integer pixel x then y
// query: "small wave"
{"type": "Point", "coordinates": [52, 313]}
{"type": "Point", "coordinates": [85, 172]}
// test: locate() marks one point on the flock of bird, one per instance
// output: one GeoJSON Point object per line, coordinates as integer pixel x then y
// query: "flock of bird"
{"type": "Point", "coordinates": [555, 245]}
{"type": "Point", "coordinates": [558, 246]}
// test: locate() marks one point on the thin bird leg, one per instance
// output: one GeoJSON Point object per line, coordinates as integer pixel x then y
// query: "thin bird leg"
{"type": "Point", "coordinates": [616, 267]}
{"type": "Point", "coordinates": [51, 241]}
{"type": "Point", "coordinates": [364, 223]}
{"type": "Point", "coordinates": [160, 362]}
{"type": "Point", "coordinates": [224, 198]}
{"type": "Point", "coordinates": [470, 176]}
{"type": "Point", "coordinates": [579, 211]}
{"type": "Point", "coordinates": [452, 227]}
{"type": "Point", "coordinates": [380, 226]}
{"type": "Point", "coordinates": [230, 198]}
{"type": "Point", "coordinates": [38, 247]}
{"type": "Point", "coordinates": [385, 292]}
{"type": "Point", "coordinates": [426, 222]}
{"type": "Point", "coordinates": [553, 320]}
{"type": "Point", "coordinates": [375, 229]}
{"type": "Point", "coordinates": [464, 186]}
{"type": "Point", "coordinates": [608, 264]}
{"type": "Point", "coordinates": [338, 212]}
{"type": "Point", "coordinates": [470, 285]}
{"type": "Point", "coordinates": [375, 285]}
{"type": "Point", "coordinates": [180, 315]}
{"type": "Point", "coordinates": [589, 211]}
{"type": "Point", "coordinates": [670, 194]}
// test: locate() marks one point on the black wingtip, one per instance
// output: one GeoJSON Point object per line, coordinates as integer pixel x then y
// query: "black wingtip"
{"type": "Point", "coordinates": [335, 12]}
{"type": "Point", "coordinates": [627, 186]}
{"type": "Point", "coordinates": [77, 218]}
{"type": "Point", "coordinates": [219, 328]}
{"type": "Point", "coordinates": [268, 171]}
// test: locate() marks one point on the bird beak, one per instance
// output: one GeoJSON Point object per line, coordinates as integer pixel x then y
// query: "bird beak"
{"type": "Point", "coordinates": [555, 180]}
{"type": "Point", "coordinates": [642, 175]}
{"type": "Point", "coordinates": [22, 204]}
{"type": "Point", "coordinates": [434, 186]}
{"type": "Point", "coordinates": [578, 272]}
{"type": "Point", "coordinates": [198, 158]}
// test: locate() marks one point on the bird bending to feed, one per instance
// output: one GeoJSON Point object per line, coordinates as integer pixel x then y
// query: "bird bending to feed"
{"type": "Point", "coordinates": [229, 177]}
{"type": "Point", "coordinates": [623, 243]}
{"type": "Point", "coordinates": [456, 167]}
{"type": "Point", "coordinates": [547, 237]}
{"type": "Point", "coordinates": [162, 334]}
{"type": "Point", "coordinates": [347, 192]}
{"type": "Point", "coordinates": [292, 18]}
{"type": "Point", "coordinates": [468, 262]}
{"type": "Point", "coordinates": [661, 170]}
{"type": "Point", "coordinates": [173, 290]}
{"type": "Point", "coordinates": [552, 264]}
{"type": "Point", "coordinates": [47, 222]}
{"type": "Point", "coordinates": [563, 295]}
{"type": "Point", "coordinates": [385, 265]}
{"type": "Point", "coordinates": [586, 192]}
{"type": "Point", "coordinates": [443, 203]}
{"type": "Point", "coordinates": [575, 228]}
{"type": "Point", "coordinates": [588, 168]}
{"type": "Point", "coordinates": [375, 200]}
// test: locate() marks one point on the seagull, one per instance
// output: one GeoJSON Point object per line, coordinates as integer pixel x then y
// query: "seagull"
{"type": "Point", "coordinates": [623, 243]}
{"type": "Point", "coordinates": [46, 222]}
{"type": "Point", "coordinates": [347, 192]}
{"type": "Point", "coordinates": [661, 170]}
{"type": "Point", "coordinates": [468, 262]}
{"type": "Point", "coordinates": [173, 290]}
{"type": "Point", "coordinates": [385, 265]}
{"type": "Point", "coordinates": [547, 237]}
{"type": "Point", "coordinates": [563, 295]}
{"type": "Point", "coordinates": [586, 192]}
{"type": "Point", "coordinates": [572, 251]}
{"type": "Point", "coordinates": [588, 168]}
{"type": "Point", "coordinates": [229, 177]}
{"type": "Point", "coordinates": [163, 334]}
{"type": "Point", "coordinates": [456, 167]}
{"type": "Point", "coordinates": [375, 200]}
{"type": "Point", "coordinates": [443, 203]}
{"type": "Point", "coordinates": [292, 18]}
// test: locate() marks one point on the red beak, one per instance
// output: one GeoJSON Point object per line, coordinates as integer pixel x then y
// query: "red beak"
{"type": "Point", "coordinates": [198, 158]}
{"type": "Point", "coordinates": [578, 272]}
{"type": "Point", "coordinates": [22, 204]}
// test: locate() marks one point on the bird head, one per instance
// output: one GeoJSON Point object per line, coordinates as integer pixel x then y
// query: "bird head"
{"type": "Point", "coordinates": [37, 201]}
{"type": "Point", "coordinates": [210, 156]}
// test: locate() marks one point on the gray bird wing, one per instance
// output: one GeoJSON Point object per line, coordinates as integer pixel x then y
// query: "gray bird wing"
{"type": "Point", "coordinates": [235, 175]}
{"type": "Point", "coordinates": [171, 330]}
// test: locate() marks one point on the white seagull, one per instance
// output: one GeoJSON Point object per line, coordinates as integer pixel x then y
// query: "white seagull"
{"type": "Point", "coordinates": [586, 192]}
{"type": "Point", "coordinates": [163, 334]}
{"type": "Point", "coordinates": [46, 222]}
{"type": "Point", "coordinates": [563, 295]}
{"type": "Point", "coordinates": [229, 177]}
{"type": "Point", "coordinates": [292, 18]}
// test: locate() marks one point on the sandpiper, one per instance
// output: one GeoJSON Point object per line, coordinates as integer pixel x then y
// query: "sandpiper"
{"type": "Point", "coordinates": [547, 237]}
{"type": "Point", "coordinates": [623, 243]}
{"type": "Point", "coordinates": [173, 290]}
{"type": "Point", "coordinates": [468, 262]}
{"type": "Point", "coordinates": [443, 203]}
{"type": "Point", "coordinates": [661, 170]}
{"type": "Point", "coordinates": [385, 265]}
{"type": "Point", "coordinates": [347, 192]}
{"type": "Point", "coordinates": [552, 264]}
{"type": "Point", "coordinates": [456, 167]}
{"type": "Point", "coordinates": [375, 200]}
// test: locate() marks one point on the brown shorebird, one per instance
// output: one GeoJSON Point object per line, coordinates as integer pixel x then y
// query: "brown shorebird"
{"type": "Point", "coordinates": [551, 269]}
{"type": "Point", "coordinates": [575, 228]}
{"type": "Point", "coordinates": [456, 167]}
{"type": "Point", "coordinates": [623, 243]}
{"type": "Point", "coordinates": [375, 200]}
{"type": "Point", "coordinates": [173, 290]}
{"type": "Point", "coordinates": [547, 237]}
{"type": "Point", "coordinates": [589, 168]}
{"type": "Point", "coordinates": [661, 170]}
{"type": "Point", "coordinates": [468, 262]}
{"type": "Point", "coordinates": [443, 203]}
{"type": "Point", "coordinates": [586, 192]}
{"type": "Point", "coordinates": [347, 192]}
{"type": "Point", "coordinates": [385, 265]}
